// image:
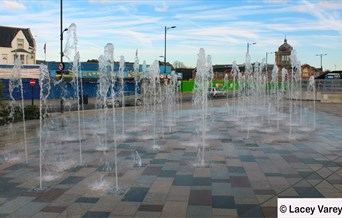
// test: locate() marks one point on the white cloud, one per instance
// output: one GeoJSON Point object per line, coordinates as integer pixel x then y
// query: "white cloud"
{"type": "Point", "coordinates": [13, 5]}
{"type": "Point", "coordinates": [162, 8]}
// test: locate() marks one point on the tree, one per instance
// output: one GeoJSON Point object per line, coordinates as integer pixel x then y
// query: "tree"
{"type": "Point", "coordinates": [178, 64]}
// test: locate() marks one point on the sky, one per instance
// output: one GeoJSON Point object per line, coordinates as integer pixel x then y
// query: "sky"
{"type": "Point", "coordinates": [222, 27]}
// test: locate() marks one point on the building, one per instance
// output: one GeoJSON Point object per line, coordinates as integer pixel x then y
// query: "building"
{"type": "Point", "coordinates": [282, 56]}
{"type": "Point", "coordinates": [17, 42]}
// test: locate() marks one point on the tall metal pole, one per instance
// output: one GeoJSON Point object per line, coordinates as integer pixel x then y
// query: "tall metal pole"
{"type": "Point", "coordinates": [165, 50]}
{"type": "Point", "coordinates": [61, 53]}
{"type": "Point", "coordinates": [248, 44]}
{"type": "Point", "coordinates": [321, 55]}
{"type": "Point", "coordinates": [166, 28]}
{"type": "Point", "coordinates": [267, 69]}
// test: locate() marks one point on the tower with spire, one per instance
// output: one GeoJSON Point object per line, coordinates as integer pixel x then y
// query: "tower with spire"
{"type": "Point", "coordinates": [282, 56]}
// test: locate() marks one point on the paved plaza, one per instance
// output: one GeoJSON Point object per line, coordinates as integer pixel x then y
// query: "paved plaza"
{"type": "Point", "coordinates": [246, 171]}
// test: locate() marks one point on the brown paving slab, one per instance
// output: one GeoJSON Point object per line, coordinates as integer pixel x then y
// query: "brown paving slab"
{"type": "Point", "coordinates": [224, 212]}
{"type": "Point", "coordinates": [125, 209]}
{"type": "Point", "coordinates": [29, 209]}
{"type": "Point", "coordinates": [152, 170]}
{"type": "Point", "coordinates": [200, 197]}
{"type": "Point", "coordinates": [147, 214]}
{"type": "Point", "coordinates": [239, 181]}
{"type": "Point", "coordinates": [263, 198]}
{"type": "Point", "coordinates": [269, 211]}
{"type": "Point", "coordinates": [278, 181]}
{"type": "Point", "coordinates": [151, 207]}
{"type": "Point", "coordinates": [76, 210]}
{"type": "Point", "coordinates": [85, 171]}
{"type": "Point", "coordinates": [50, 195]}
{"type": "Point", "coordinates": [174, 209]}
{"type": "Point", "coordinates": [65, 200]}
{"type": "Point", "coordinates": [179, 193]}
{"type": "Point", "coordinates": [45, 215]}
{"type": "Point", "coordinates": [161, 185]}
{"type": "Point", "coordinates": [106, 203]}
{"type": "Point", "coordinates": [53, 209]}
{"type": "Point", "coordinates": [12, 205]}
{"type": "Point", "coordinates": [155, 198]}
{"type": "Point", "coordinates": [132, 174]}
{"type": "Point", "coordinates": [260, 184]}
{"type": "Point", "coordinates": [202, 172]}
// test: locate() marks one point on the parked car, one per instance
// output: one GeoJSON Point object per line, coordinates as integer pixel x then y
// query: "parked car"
{"type": "Point", "coordinates": [215, 92]}
{"type": "Point", "coordinates": [129, 98]}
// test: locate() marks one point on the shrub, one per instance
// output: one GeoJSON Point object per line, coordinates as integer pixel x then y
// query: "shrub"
{"type": "Point", "coordinates": [31, 112]}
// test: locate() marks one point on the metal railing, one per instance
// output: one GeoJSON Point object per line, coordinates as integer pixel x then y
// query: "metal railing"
{"type": "Point", "coordinates": [325, 85]}
{"type": "Point", "coordinates": [329, 85]}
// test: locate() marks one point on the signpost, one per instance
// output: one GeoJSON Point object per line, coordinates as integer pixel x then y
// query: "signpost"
{"type": "Point", "coordinates": [32, 83]}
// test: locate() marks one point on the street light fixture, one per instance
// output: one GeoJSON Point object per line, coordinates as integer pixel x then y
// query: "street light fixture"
{"type": "Point", "coordinates": [248, 44]}
{"type": "Point", "coordinates": [321, 55]}
{"type": "Point", "coordinates": [267, 53]}
{"type": "Point", "coordinates": [166, 29]}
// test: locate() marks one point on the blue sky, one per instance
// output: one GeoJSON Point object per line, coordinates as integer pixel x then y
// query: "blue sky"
{"type": "Point", "coordinates": [221, 27]}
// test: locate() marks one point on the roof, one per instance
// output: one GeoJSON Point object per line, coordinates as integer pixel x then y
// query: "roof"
{"type": "Point", "coordinates": [20, 50]}
{"type": "Point", "coordinates": [7, 35]}
{"type": "Point", "coordinates": [285, 46]}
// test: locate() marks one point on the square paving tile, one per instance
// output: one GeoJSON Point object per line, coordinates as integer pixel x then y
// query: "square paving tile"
{"type": "Point", "coordinates": [151, 170]}
{"type": "Point", "coordinates": [198, 211]}
{"type": "Point", "coordinates": [87, 200]}
{"type": "Point", "coordinates": [53, 209]}
{"type": "Point", "coordinates": [135, 194]}
{"type": "Point", "coordinates": [72, 180]}
{"type": "Point", "coordinates": [151, 207]}
{"type": "Point", "coordinates": [308, 192]}
{"type": "Point", "coordinates": [201, 181]}
{"type": "Point", "coordinates": [249, 210]}
{"type": "Point", "coordinates": [50, 195]}
{"type": "Point", "coordinates": [100, 214]}
{"type": "Point", "coordinates": [225, 202]}
{"type": "Point", "coordinates": [200, 197]}
{"type": "Point", "coordinates": [239, 181]}
{"type": "Point", "coordinates": [183, 180]}
{"type": "Point", "coordinates": [167, 173]}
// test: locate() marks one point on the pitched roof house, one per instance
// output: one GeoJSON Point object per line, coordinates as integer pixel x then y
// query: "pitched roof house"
{"type": "Point", "coordinates": [17, 42]}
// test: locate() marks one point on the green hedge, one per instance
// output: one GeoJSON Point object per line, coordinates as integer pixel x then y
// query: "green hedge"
{"type": "Point", "coordinates": [31, 113]}
{"type": "Point", "coordinates": [188, 86]}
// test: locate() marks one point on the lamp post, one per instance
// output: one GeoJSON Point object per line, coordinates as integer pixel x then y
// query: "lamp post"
{"type": "Point", "coordinates": [166, 29]}
{"type": "Point", "coordinates": [61, 53]}
{"type": "Point", "coordinates": [321, 55]}
{"type": "Point", "coordinates": [248, 44]}
{"type": "Point", "coordinates": [267, 53]}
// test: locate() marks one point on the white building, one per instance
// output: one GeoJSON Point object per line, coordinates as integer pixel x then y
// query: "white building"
{"type": "Point", "coordinates": [17, 42]}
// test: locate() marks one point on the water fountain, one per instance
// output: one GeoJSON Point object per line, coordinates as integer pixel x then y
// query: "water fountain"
{"type": "Point", "coordinates": [70, 51]}
{"type": "Point", "coordinates": [154, 80]}
{"type": "Point", "coordinates": [136, 87]}
{"type": "Point", "coordinates": [200, 99]}
{"type": "Point", "coordinates": [122, 93]}
{"type": "Point", "coordinates": [44, 84]}
{"type": "Point", "coordinates": [16, 83]}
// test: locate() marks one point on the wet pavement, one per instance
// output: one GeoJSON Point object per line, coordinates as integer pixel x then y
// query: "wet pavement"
{"type": "Point", "coordinates": [250, 161]}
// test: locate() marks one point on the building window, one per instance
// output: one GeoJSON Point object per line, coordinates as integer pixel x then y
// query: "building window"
{"type": "Point", "coordinates": [20, 43]}
{"type": "Point", "coordinates": [4, 58]}
{"type": "Point", "coordinates": [22, 58]}
{"type": "Point", "coordinates": [285, 59]}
